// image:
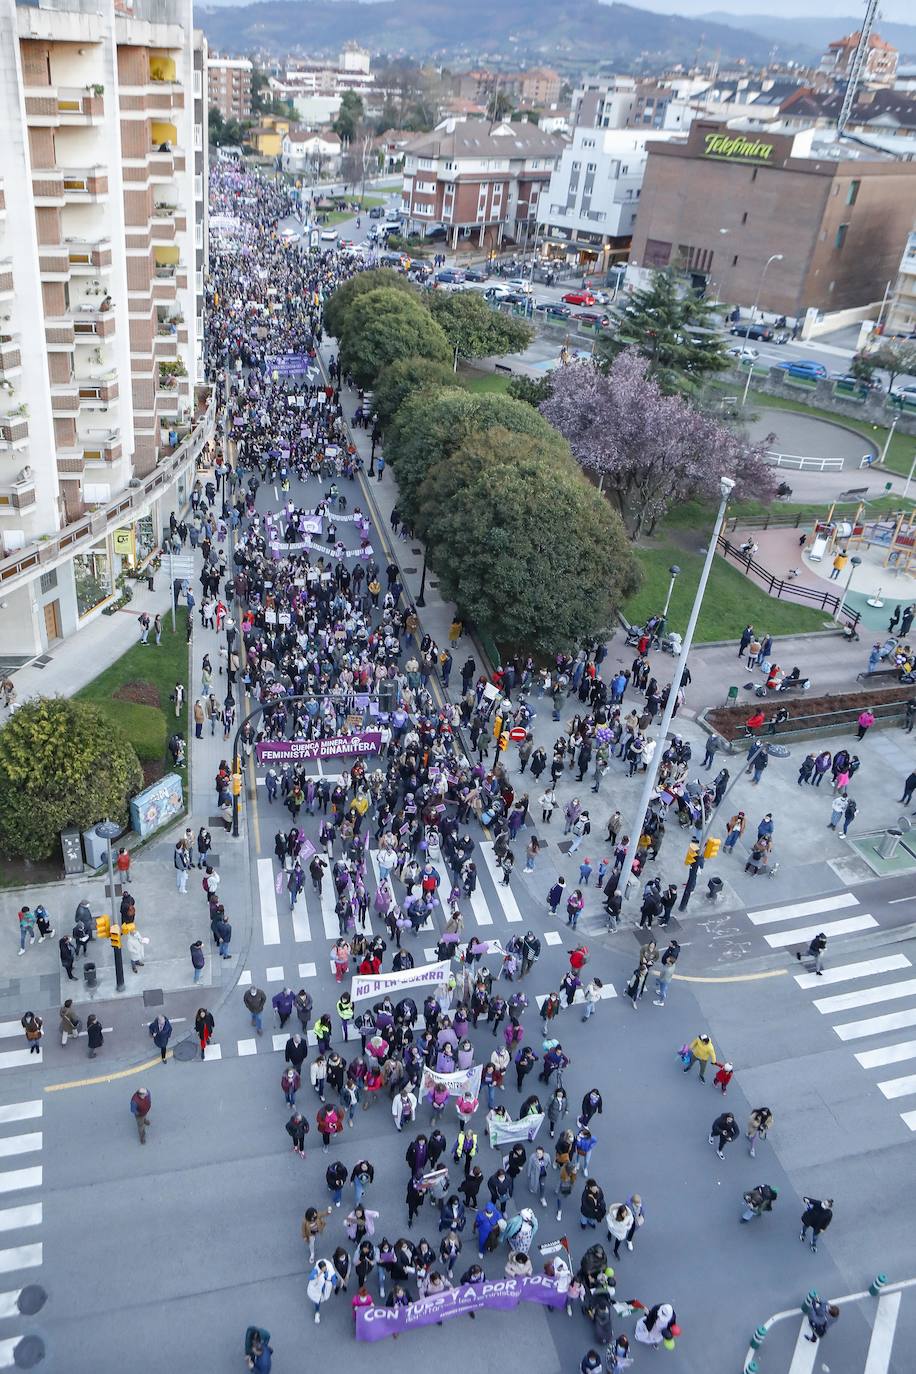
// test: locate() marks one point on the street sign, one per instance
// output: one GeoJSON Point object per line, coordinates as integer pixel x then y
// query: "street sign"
{"type": "Point", "coordinates": [518, 732]}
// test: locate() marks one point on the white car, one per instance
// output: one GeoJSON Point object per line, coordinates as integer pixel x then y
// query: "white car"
{"type": "Point", "coordinates": [745, 355]}
{"type": "Point", "coordinates": [519, 284]}
{"type": "Point", "coordinates": [905, 393]}
{"type": "Point", "coordinates": [329, 235]}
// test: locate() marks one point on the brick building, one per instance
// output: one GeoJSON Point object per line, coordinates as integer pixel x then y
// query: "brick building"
{"type": "Point", "coordinates": [229, 86]}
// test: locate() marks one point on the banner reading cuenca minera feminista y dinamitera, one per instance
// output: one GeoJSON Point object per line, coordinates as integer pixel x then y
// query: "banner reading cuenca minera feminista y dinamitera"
{"type": "Point", "coordinates": [299, 750]}
{"type": "Point", "coordinates": [375, 1323]}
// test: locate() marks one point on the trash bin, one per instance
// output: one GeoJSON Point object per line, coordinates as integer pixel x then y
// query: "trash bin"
{"type": "Point", "coordinates": [89, 974]}
{"type": "Point", "coordinates": [887, 845]}
{"type": "Point", "coordinates": [713, 888]}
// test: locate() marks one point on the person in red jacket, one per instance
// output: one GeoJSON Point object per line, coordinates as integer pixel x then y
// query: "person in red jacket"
{"type": "Point", "coordinates": [578, 958]}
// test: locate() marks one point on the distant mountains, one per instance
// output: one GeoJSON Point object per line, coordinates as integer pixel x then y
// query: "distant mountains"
{"type": "Point", "coordinates": [811, 32]}
{"type": "Point", "coordinates": [576, 32]}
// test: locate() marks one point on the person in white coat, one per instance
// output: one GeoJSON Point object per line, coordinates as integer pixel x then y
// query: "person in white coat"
{"type": "Point", "coordinates": [322, 1282]}
{"type": "Point", "coordinates": [619, 1221]}
{"type": "Point", "coordinates": [404, 1108]}
{"type": "Point", "coordinates": [135, 944]}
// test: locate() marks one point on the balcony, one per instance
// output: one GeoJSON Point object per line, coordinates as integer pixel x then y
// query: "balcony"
{"type": "Point", "coordinates": [91, 322]}
{"type": "Point", "coordinates": [99, 391]}
{"type": "Point", "coordinates": [10, 357]}
{"type": "Point", "coordinates": [59, 334]}
{"type": "Point", "coordinates": [65, 400]}
{"type": "Point", "coordinates": [53, 263]}
{"type": "Point", "coordinates": [50, 107]}
{"type": "Point", "coordinates": [18, 496]}
{"type": "Point", "coordinates": [165, 277]}
{"type": "Point", "coordinates": [70, 461]}
{"type": "Point", "coordinates": [14, 431]}
{"type": "Point", "coordinates": [164, 160]}
{"type": "Point", "coordinates": [7, 290]}
{"type": "Point", "coordinates": [162, 227]}
{"type": "Point", "coordinates": [88, 255]}
{"type": "Point", "coordinates": [48, 187]}
{"type": "Point", "coordinates": [102, 446]}
{"type": "Point", "coordinates": [88, 185]}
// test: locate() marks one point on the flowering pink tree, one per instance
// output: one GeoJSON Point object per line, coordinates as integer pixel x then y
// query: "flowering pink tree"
{"type": "Point", "coordinates": [649, 451]}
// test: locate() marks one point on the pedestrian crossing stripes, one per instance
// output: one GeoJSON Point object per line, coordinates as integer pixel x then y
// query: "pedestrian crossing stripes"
{"type": "Point", "coordinates": [21, 1213]}
{"type": "Point", "coordinates": [862, 970]}
{"type": "Point", "coordinates": [795, 910]}
{"type": "Point", "coordinates": [880, 1342]}
{"type": "Point", "coordinates": [270, 923]}
{"type": "Point", "coordinates": [804, 934]}
{"type": "Point", "coordinates": [510, 905]}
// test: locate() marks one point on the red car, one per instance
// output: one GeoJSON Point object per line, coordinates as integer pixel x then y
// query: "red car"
{"type": "Point", "coordinates": [579, 298]}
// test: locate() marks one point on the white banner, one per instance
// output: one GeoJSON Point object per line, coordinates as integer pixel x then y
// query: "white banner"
{"type": "Point", "coordinates": [466, 1082]}
{"type": "Point", "coordinates": [507, 1132]}
{"type": "Point", "coordinates": [377, 984]}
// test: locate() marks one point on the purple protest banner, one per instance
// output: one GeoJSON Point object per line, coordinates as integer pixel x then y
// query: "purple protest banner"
{"type": "Point", "coordinates": [375, 1323]}
{"type": "Point", "coordinates": [337, 746]}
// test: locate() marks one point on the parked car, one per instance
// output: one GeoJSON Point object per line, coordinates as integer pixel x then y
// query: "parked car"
{"type": "Point", "coordinates": [475, 274]}
{"type": "Point", "coordinates": [329, 235]}
{"type": "Point", "coordinates": [850, 382]}
{"type": "Point", "coordinates": [800, 367]}
{"type": "Point", "coordinates": [520, 284]}
{"type": "Point", "coordinates": [592, 319]}
{"type": "Point", "coordinates": [579, 298]}
{"type": "Point", "coordinates": [744, 355]}
{"type": "Point", "coordinates": [554, 308]}
{"type": "Point", "coordinates": [377, 212]}
{"type": "Point", "coordinates": [497, 293]}
{"type": "Point", "coordinates": [753, 331]}
{"type": "Point", "coordinates": [450, 275]}
{"type": "Point", "coordinates": [906, 395]}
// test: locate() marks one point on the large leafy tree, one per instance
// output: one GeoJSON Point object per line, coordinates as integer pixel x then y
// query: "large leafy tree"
{"type": "Point", "coordinates": [348, 116]}
{"type": "Point", "coordinates": [61, 763]}
{"type": "Point", "coordinates": [534, 390]}
{"type": "Point", "coordinates": [673, 329]}
{"type": "Point", "coordinates": [374, 279]}
{"type": "Point", "coordinates": [894, 358]}
{"type": "Point", "coordinates": [474, 328]}
{"type": "Point", "coordinates": [431, 424]}
{"type": "Point", "coordinates": [401, 379]}
{"type": "Point", "coordinates": [649, 450]}
{"type": "Point", "coordinates": [523, 545]}
{"type": "Point", "coordinates": [382, 326]}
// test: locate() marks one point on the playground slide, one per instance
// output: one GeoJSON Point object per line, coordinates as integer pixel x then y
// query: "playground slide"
{"type": "Point", "coordinates": [818, 549]}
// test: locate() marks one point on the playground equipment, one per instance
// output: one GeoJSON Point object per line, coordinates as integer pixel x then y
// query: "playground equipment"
{"type": "Point", "coordinates": [829, 532]}
{"type": "Point", "coordinates": [895, 533]}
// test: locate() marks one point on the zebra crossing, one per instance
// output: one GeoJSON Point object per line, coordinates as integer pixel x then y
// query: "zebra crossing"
{"type": "Point", "coordinates": [21, 1251]}
{"type": "Point", "coordinates": [879, 984]}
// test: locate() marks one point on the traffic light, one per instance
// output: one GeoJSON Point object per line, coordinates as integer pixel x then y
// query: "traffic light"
{"type": "Point", "coordinates": [503, 741]}
{"type": "Point", "coordinates": [127, 926]}
{"type": "Point", "coordinates": [102, 927]}
{"type": "Point", "coordinates": [497, 726]}
{"type": "Point", "coordinates": [711, 848]}
{"type": "Point", "coordinates": [693, 853]}
{"type": "Point", "coordinates": [116, 937]}
{"type": "Point", "coordinates": [236, 784]}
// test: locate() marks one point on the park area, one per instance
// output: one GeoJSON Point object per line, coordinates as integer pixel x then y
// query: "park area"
{"type": "Point", "coordinates": [134, 694]}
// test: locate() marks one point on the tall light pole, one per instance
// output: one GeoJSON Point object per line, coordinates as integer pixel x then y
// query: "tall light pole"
{"type": "Point", "coordinates": [887, 442]}
{"type": "Point", "coordinates": [774, 257]}
{"type": "Point", "coordinates": [674, 570]}
{"type": "Point", "coordinates": [726, 486]}
{"type": "Point", "coordinates": [853, 564]}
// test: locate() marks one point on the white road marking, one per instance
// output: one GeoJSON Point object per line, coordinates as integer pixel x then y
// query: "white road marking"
{"type": "Point", "coordinates": [20, 1257]}
{"type": "Point", "coordinates": [21, 1111]}
{"type": "Point", "coordinates": [16, 1059]}
{"type": "Point", "coordinates": [891, 1054]}
{"type": "Point", "coordinates": [552, 937]}
{"type": "Point", "coordinates": [307, 970]}
{"type": "Point", "coordinates": [270, 924]}
{"type": "Point", "coordinates": [504, 892]}
{"type": "Point", "coordinates": [247, 1047]}
{"type": "Point", "coordinates": [865, 969]}
{"type": "Point", "coordinates": [9, 1307]}
{"type": "Point", "coordinates": [829, 928]}
{"type": "Point", "coordinates": [876, 1025]}
{"type": "Point", "coordinates": [882, 1334]}
{"type": "Point", "coordinates": [15, 1180]}
{"type": "Point", "coordinates": [8, 1351]}
{"type": "Point", "coordinates": [245, 979]}
{"type": "Point", "coordinates": [866, 997]}
{"type": "Point", "coordinates": [279, 1041]}
{"type": "Point", "coordinates": [793, 911]}
{"type": "Point", "coordinates": [17, 1218]}
{"type": "Point", "coordinates": [302, 930]}
{"type": "Point", "coordinates": [328, 914]}
{"type": "Point", "coordinates": [909, 1120]}
{"type": "Point", "coordinates": [274, 974]}
{"type": "Point", "coordinates": [19, 1144]}
{"type": "Point", "coordinates": [213, 1052]}
{"type": "Point", "coordinates": [805, 1352]}
{"type": "Point", "coordinates": [899, 1087]}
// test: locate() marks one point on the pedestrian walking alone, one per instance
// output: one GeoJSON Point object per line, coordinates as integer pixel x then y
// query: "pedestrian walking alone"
{"type": "Point", "coordinates": [820, 1318]}
{"type": "Point", "coordinates": [816, 1217]}
{"type": "Point", "coordinates": [32, 1025]}
{"type": "Point", "coordinates": [94, 1035]}
{"type": "Point", "coordinates": [723, 1130]}
{"type": "Point", "coordinates": [203, 1025]}
{"type": "Point", "coordinates": [140, 1104]}
{"type": "Point", "coordinates": [160, 1031]}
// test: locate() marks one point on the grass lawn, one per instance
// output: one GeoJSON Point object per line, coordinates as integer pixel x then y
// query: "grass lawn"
{"type": "Point", "coordinates": [146, 674]}
{"type": "Point", "coordinates": [338, 216]}
{"type": "Point", "coordinates": [697, 515]}
{"type": "Point", "coordinates": [731, 601]}
{"type": "Point", "coordinates": [899, 455]}
{"type": "Point", "coordinates": [486, 382]}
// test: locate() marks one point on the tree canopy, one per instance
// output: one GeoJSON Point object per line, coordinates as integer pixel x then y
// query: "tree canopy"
{"type": "Point", "coordinates": [401, 379]}
{"type": "Point", "coordinates": [348, 116]}
{"type": "Point", "coordinates": [474, 328]}
{"type": "Point", "coordinates": [383, 325]}
{"type": "Point", "coordinates": [343, 296]}
{"type": "Point", "coordinates": [533, 390]}
{"type": "Point", "coordinates": [895, 358]}
{"type": "Point", "coordinates": [61, 763]}
{"type": "Point", "coordinates": [430, 425]}
{"type": "Point", "coordinates": [672, 328]}
{"type": "Point", "coordinates": [523, 545]}
{"type": "Point", "coordinates": [647, 449]}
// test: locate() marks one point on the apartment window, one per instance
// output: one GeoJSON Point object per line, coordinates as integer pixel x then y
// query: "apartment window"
{"type": "Point", "coordinates": [576, 166]}
{"type": "Point", "coordinates": [199, 234]}
{"type": "Point", "coordinates": [198, 290]}
{"type": "Point", "coordinates": [198, 187]}
{"type": "Point", "coordinates": [853, 192]}
{"type": "Point", "coordinates": [589, 166]}
{"type": "Point", "coordinates": [49, 580]}
{"type": "Point", "coordinates": [841, 232]}
{"type": "Point", "coordinates": [198, 84]}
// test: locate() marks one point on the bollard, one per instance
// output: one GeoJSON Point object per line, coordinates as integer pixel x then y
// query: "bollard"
{"type": "Point", "coordinates": [752, 1367]}
{"type": "Point", "coordinates": [809, 1300]}
{"type": "Point", "coordinates": [877, 1284]}
{"type": "Point", "coordinates": [758, 1337]}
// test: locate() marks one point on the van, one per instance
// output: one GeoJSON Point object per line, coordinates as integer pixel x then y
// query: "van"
{"type": "Point", "coordinates": [520, 284]}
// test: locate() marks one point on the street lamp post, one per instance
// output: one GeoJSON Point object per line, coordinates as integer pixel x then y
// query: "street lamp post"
{"type": "Point", "coordinates": [774, 257]}
{"type": "Point", "coordinates": [906, 488]}
{"type": "Point", "coordinates": [674, 570]}
{"type": "Point", "coordinates": [421, 599]}
{"type": "Point", "coordinates": [109, 831]}
{"type": "Point", "coordinates": [853, 564]}
{"type": "Point", "coordinates": [726, 486]}
{"type": "Point", "coordinates": [887, 442]}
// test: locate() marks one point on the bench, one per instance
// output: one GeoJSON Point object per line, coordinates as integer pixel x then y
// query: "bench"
{"type": "Point", "coordinates": [502, 367]}
{"type": "Point", "coordinates": [878, 672]}
{"type": "Point", "coordinates": [853, 494]}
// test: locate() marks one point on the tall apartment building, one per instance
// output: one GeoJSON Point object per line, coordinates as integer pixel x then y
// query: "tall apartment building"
{"type": "Point", "coordinates": [901, 310]}
{"type": "Point", "coordinates": [101, 302]}
{"type": "Point", "coordinates": [229, 86]}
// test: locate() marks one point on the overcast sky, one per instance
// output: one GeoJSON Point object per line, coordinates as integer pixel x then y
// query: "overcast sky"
{"type": "Point", "coordinates": [903, 11]}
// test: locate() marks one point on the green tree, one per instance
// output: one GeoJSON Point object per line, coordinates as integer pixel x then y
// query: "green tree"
{"type": "Point", "coordinates": [401, 379]}
{"type": "Point", "coordinates": [61, 763]}
{"type": "Point", "coordinates": [225, 132]}
{"type": "Point", "coordinates": [532, 390]}
{"type": "Point", "coordinates": [431, 424]}
{"type": "Point", "coordinates": [894, 358]}
{"type": "Point", "coordinates": [342, 298]}
{"type": "Point", "coordinates": [499, 106]}
{"type": "Point", "coordinates": [381, 326]}
{"type": "Point", "coordinates": [523, 544]}
{"type": "Point", "coordinates": [673, 328]}
{"type": "Point", "coordinates": [476, 330]}
{"type": "Point", "coordinates": [348, 116]}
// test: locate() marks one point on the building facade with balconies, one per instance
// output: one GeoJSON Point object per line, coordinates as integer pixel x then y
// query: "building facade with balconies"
{"type": "Point", "coordinates": [901, 313]}
{"type": "Point", "coordinates": [101, 291]}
